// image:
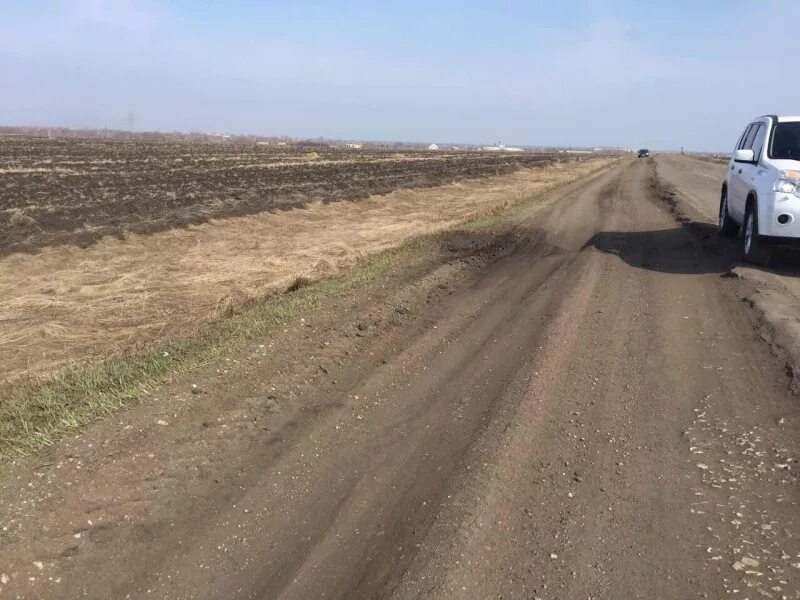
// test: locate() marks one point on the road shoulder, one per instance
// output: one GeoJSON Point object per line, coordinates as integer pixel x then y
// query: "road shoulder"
{"type": "Point", "coordinates": [773, 294]}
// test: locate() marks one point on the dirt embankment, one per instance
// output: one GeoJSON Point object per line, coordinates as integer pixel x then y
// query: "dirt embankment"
{"type": "Point", "coordinates": [67, 191]}
{"type": "Point", "coordinates": [74, 305]}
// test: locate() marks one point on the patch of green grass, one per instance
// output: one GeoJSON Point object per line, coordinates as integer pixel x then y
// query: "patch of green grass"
{"type": "Point", "coordinates": [34, 414]}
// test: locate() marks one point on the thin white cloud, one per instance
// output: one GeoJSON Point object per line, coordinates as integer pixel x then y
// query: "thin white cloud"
{"type": "Point", "coordinates": [129, 15]}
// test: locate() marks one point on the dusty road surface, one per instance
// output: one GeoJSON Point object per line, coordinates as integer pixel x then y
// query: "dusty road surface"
{"type": "Point", "coordinates": [697, 184]}
{"type": "Point", "coordinates": [585, 410]}
{"type": "Point", "coordinates": [700, 181]}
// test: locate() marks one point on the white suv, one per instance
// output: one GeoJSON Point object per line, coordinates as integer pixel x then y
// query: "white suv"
{"type": "Point", "coordinates": [761, 191]}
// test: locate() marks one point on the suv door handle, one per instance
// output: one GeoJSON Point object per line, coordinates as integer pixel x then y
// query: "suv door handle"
{"type": "Point", "coordinates": [740, 170]}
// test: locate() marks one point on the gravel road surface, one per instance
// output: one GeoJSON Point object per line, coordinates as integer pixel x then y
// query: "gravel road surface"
{"type": "Point", "coordinates": [587, 411]}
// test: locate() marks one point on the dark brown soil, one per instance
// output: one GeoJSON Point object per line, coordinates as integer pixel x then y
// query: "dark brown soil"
{"type": "Point", "coordinates": [76, 191]}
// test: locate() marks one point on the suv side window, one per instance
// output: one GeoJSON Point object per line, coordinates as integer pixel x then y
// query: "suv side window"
{"type": "Point", "coordinates": [748, 141]}
{"type": "Point", "coordinates": [758, 141]}
{"type": "Point", "coordinates": [742, 139]}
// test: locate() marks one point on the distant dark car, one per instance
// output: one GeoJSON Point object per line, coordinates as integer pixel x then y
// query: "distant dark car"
{"type": "Point", "coordinates": [644, 153]}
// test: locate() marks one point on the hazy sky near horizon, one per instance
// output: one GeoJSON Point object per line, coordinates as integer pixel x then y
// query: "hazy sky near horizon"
{"type": "Point", "coordinates": [571, 72]}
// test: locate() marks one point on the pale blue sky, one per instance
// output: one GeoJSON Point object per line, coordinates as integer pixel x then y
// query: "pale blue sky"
{"type": "Point", "coordinates": [618, 72]}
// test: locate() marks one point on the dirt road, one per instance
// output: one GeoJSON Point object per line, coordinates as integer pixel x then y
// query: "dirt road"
{"type": "Point", "coordinates": [776, 296]}
{"type": "Point", "coordinates": [700, 181]}
{"type": "Point", "coordinates": [585, 412]}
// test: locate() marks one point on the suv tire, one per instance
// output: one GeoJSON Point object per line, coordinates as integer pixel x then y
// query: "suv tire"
{"type": "Point", "coordinates": [727, 226]}
{"type": "Point", "coordinates": [755, 251]}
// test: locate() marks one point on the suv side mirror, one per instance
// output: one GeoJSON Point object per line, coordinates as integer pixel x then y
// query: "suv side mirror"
{"type": "Point", "coordinates": [745, 155]}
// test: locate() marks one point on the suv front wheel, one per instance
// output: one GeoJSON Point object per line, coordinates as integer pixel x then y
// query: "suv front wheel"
{"type": "Point", "coordinates": [754, 249]}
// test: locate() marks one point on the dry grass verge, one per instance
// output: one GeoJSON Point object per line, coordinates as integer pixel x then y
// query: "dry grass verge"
{"type": "Point", "coordinates": [36, 413]}
{"type": "Point", "coordinates": [39, 409]}
{"type": "Point", "coordinates": [68, 305]}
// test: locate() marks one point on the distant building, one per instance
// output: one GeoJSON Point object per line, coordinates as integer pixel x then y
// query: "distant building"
{"type": "Point", "coordinates": [354, 146]}
{"type": "Point", "coordinates": [433, 147]}
{"type": "Point", "coordinates": [498, 147]}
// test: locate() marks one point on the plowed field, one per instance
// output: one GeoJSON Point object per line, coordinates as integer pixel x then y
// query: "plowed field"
{"type": "Point", "coordinates": [77, 191]}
